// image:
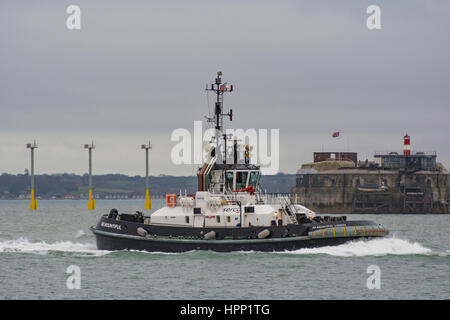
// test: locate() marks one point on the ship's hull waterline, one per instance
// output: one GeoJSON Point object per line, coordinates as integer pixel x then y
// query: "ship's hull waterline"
{"type": "Point", "coordinates": [128, 239]}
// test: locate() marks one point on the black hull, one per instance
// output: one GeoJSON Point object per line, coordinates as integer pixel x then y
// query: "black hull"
{"type": "Point", "coordinates": [114, 234]}
{"type": "Point", "coordinates": [113, 242]}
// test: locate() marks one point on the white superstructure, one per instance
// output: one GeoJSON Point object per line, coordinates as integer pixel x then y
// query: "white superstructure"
{"type": "Point", "coordinates": [229, 194]}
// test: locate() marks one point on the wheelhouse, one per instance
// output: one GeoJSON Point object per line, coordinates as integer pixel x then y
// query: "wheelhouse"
{"type": "Point", "coordinates": [228, 178]}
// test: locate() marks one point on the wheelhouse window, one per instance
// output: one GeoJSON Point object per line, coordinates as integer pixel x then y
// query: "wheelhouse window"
{"type": "Point", "coordinates": [208, 180]}
{"type": "Point", "coordinates": [218, 219]}
{"type": "Point", "coordinates": [229, 180]}
{"type": "Point", "coordinates": [241, 179]}
{"type": "Point", "coordinates": [254, 175]}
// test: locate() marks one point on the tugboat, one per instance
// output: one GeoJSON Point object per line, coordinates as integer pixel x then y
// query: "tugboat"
{"type": "Point", "coordinates": [228, 212]}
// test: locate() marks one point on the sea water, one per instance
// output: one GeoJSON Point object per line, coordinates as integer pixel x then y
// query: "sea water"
{"type": "Point", "coordinates": [38, 247]}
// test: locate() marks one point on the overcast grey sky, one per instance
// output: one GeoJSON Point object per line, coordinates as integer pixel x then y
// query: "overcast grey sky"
{"type": "Point", "coordinates": [137, 71]}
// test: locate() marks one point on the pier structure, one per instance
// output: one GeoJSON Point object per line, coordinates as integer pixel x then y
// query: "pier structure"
{"type": "Point", "coordinates": [148, 200]}
{"type": "Point", "coordinates": [91, 203]}
{"type": "Point", "coordinates": [33, 201]}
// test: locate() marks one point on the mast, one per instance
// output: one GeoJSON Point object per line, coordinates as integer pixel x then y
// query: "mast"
{"type": "Point", "coordinates": [219, 89]}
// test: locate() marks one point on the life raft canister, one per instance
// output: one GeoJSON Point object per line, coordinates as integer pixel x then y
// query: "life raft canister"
{"type": "Point", "coordinates": [171, 199]}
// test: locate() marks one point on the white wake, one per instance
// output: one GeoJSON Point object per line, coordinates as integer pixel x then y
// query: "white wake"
{"type": "Point", "coordinates": [374, 247]}
{"type": "Point", "coordinates": [42, 247]}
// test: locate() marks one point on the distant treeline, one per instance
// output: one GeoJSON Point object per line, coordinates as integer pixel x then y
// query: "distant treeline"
{"type": "Point", "coordinates": [71, 185]}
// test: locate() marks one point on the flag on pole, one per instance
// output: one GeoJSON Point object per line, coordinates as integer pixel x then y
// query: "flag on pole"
{"type": "Point", "coordinates": [335, 135]}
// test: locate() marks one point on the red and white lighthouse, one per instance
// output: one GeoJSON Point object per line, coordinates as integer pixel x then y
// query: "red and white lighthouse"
{"type": "Point", "coordinates": [406, 145]}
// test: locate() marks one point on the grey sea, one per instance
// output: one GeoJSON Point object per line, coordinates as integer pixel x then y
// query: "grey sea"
{"type": "Point", "coordinates": [38, 247]}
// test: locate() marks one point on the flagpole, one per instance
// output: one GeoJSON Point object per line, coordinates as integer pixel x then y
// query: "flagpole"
{"type": "Point", "coordinates": [336, 134]}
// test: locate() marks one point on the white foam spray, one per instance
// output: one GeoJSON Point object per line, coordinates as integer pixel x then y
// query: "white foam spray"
{"type": "Point", "coordinates": [42, 247]}
{"type": "Point", "coordinates": [374, 247]}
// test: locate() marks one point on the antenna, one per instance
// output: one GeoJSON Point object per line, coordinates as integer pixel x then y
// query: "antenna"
{"type": "Point", "coordinates": [219, 88]}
